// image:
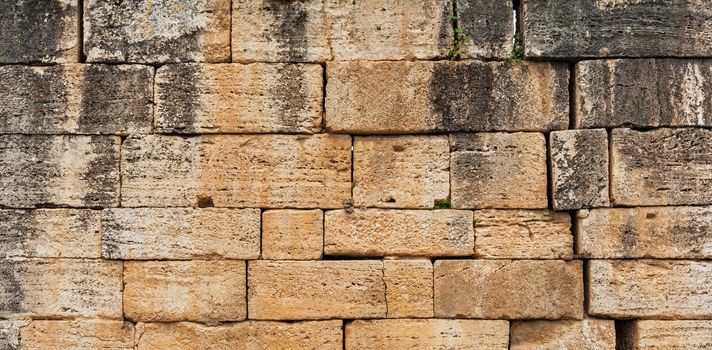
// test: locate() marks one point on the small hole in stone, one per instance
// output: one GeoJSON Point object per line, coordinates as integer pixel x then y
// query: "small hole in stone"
{"type": "Point", "coordinates": [204, 201]}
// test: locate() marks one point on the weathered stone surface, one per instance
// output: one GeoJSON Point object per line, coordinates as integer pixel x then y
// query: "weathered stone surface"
{"type": "Point", "coordinates": [157, 31]}
{"type": "Point", "coordinates": [668, 335]}
{"type": "Point", "coordinates": [523, 234]}
{"type": "Point", "coordinates": [239, 98]}
{"type": "Point", "coordinates": [643, 93]}
{"type": "Point", "coordinates": [427, 334]}
{"type": "Point", "coordinates": [422, 97]}
{"type": "Point", "coordinates": [249, 335]}
{"type": "Point", "coordinates": [299, 290]}
{"type": "Point", "coordinates": [39, 31]}
{"type": "Point", "coordinates": [266, 171]}
{"type": "Point", "coordinates": [661, 167]}
{"type": "Point", "coordinates": [180, 233]}
{"type": "Point", "coordinates": [50, 233]}
{"type": "Point", "coordinates": [78, 335]}
{"type": "Point", "coordinates": [10, 334]}
{"type": "Point", "coordinates": [656, 232]}
{"type": "Point", "coordinates": [498, 170]}
{"type": "Point", "coordinates": [60, 288]}
{"type": "Point", "coordinates": [198, 290]}
{"type": "Point", "coordinates": [401, 171]}
{"type": "Point", "coordinates": [81, 171]}
{"type": "Point", "coordinates": [579, 169]}
{"type": "Point", "coordinates": [650, 289]}
{"type": "Point", "coordinates": [487, 26]}
{"type": "Point", "coordinates": [388, 232]}
{"type": "Point", "coordinates": [509, 289]}
{"type": "Point", "coordinates": [616, 28]}
{"type": "Point", "coordinates": [289, 234]}
{"type": "Point", "coordinates": [587, 334]}
{"type": "Point", "coordinates": [409, 287]}
{"type": "Point", "coordinates": [76, 99]}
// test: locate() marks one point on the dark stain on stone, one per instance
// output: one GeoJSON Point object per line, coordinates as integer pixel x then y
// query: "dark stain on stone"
{"type": "Point", "coordinates": [460, 94]}
{"type": "Point", "coordinates": [16, 228]}
{"type": "Point", "coordinates": [110, 230]}
{"type": "Point", "coordinates": [291, 17]}
{"type": "Point", "coordinates": [27, 170]}
{"type": "Point", "coordinates": [629, 237]}
{"type": "Point", "coordinates": [179, 88]}
{"type": "Point", "coordinates": [398, 148]}
{"type": "Point", "coordinates": [484, 25]}
{"type": "Point", "coordinates": [31, 30]}
{"type": "Point", "coordinates": [290, 94]}
{"type": "Point", "coordinates": [204, 201]}
{"type": "Point", "coordinates": [12, 293]}
{"type": "Point", "coordinates": [102, 175]}
{"type": "Point", "coordinates": [582, 180]}
{"type": "Point", "coordinates": [650, 215]}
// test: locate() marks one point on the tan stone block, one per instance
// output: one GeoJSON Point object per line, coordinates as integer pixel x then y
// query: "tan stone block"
{"type": "Point", "coordinates": [300, 290]}
{"type": "Point", "coordinates": [78, 335]}
{"type": "Point", "coordinates": [10, 333]}
{"type": "Point", "coordinates": [389, 232]}
{"type": "Point", "coordinates": [661, 167]}
{"type": "Point", "coordinates": [498, 170]}
{"type": "Point", "coordinates": [239, 98]}
{"type": "Point", "coordinates": [198, 290]}
{"type": "Point", "coordinates": [409, 288]}
{"type": "Point", "coordinates": [427, 334]}
{"type": "Point", "coordinates": [663, 289]}
{"type": "Point", "coordinates": [50, 233]}
{"type": "Point", "coordinates": [509, 289]}
{"type": "Point", "coordinates": [249, 335]}
{"type": "Point", "coordinates": [290, 234]}
{"type": "Point", "coordinates": [668, 335]}
{"type": "Point", "coordinates": [60, 288]}
{"type": "Point", "coordinates": [523, 234]}
{"type": "Point", "coordinates": [587, 334]}
{"type": "Point", "coordinates": [180, 233]}
{"type": "Point", "coordinates": [655, 232]}
{"type": "Point", "coordinates": [266, 171]}
{"type": "Point", "coordinates": [401, 171]}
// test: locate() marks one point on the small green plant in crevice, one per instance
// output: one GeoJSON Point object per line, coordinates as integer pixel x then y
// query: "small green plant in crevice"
{"type": "Point", "coordinates": [443, 203]}
{"type": "Point", "coordinates": [353, 185]}
{"type": "Point", "coordinates": [518, 49]}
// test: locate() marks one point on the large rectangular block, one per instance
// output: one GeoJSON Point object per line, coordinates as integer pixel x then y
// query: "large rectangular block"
{"type": "Point", "coordinates": [78, 171]}
{"type": "Point", "coordinates": [299, 290]}
{"type": "Point", "coordinates": [157, 31]}
{"type": "Point", "coordinates": [237, 98]}
{"type": "Point", "coordinates": [509, 289]}
{"type": "Point", "coordinates": [487, 28]}
{"type": "Point", "coordinates": [668, 335]}
{"type": "Point", "coordinates": [409, 287]}
{"type": "Point", "coordinates": [660, 289]}
{"type": "Point", "coordinates": [661, 167]}
{"type": "Point", "coordinates": [249, 335]}
{"type": "Point", "coordinates": [427, 334]}
{"type": "Point", "coordinates": [180, 233]}
{"type": "Point", "coordinates": [498, 170]}
{"type": "Point", "coordinates": [76, 98]}
{"type": "Point", "coordinates": [656, 232]}
{"type": "Point", "coordinates": [57, 288]}
{"type": "Point", "coordinates": [78, 335]}
{"type": "Point", "coordinates": [198, 290]}
{"type": "Point", "coordinates": [616, 28]}
{"type": "Point", "coordinates": [290, 234]}
{"type": "Point", "coordinates": [587, 334]}
{"type": "Point", "coordinates": [643, 93]}
{"type": "Point", "coordinates": [266, 171]}
{"type": "Point", "coordinates": [388, 232]}
{"type": "Point", "coordinates": [50, 233]}
{"type": "Point", "coordinates": [423, 97]}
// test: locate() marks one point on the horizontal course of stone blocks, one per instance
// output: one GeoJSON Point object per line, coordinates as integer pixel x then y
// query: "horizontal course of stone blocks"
{"type": "Point", "coordinates": [355, 174]}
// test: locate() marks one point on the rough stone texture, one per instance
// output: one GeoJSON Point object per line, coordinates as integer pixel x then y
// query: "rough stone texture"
{"type": "Point", "coordinates": [657, 232]}
{"type": "Point", "coordinates": [409, 287]}
{"type": "Point", "coordinates": [299, 290]}
{"type": "Point", "coordinates": [266, 171]}
{"type": "Point", "coordinates": [76, 99]}
{"type": "Point", "coordinates": [198, 290]}
{"type": "Point", "coordinates": [588, 334]}
{"type": "Point", "coordinates": [506, 289]}
{"type": "Point", "coordinates": [237, 98]}
{"type": "Point", "coordinates": [249, 335]}
{"type": "Point", "coordinates": [669, 335]}
{"type": "Point", "coordinates": [56, 288]}
{"type": "Point", "coordinates": [661, 289]}
{"type": "Point", "coordinates": [661, 167]}
{"type": "Point", "coordinates": [401, 171]}
{"type": "Point", "coordinates": [39, 31]}
{"type": "Point", "coordinates": [157, 31]}
{"type": "Point", "coordinates": [523, 234]}
{"type": "Point", "coordinates": [643, 93]}
{"type": "Point", "coordinates": [579, 169]}
{"type": "Point", "coordinates": [50, 233]}
{"type": "Point", "coordinates": [488, 27]}
{"type": "Point", "coordinates": [615, 28]}
{"type": "Point", "coordinates": [498, 170]}
{"type": "Point", "coordinates": [365, 97]}
{"type": "Point", "coordinates": [427, 334]}
{"type": "Point", "coordinates": [81, 171]}
{"type": "Point", "coordinates": [78, 335]}
{"type": "Point", "coordinates": [181, 233]}
{"type": "Point", "coordinates": [292, 234]}
{"type": "Point", "coordinates": [382, 232]}
{"type": "Point", "coordinates": [10, 334]}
